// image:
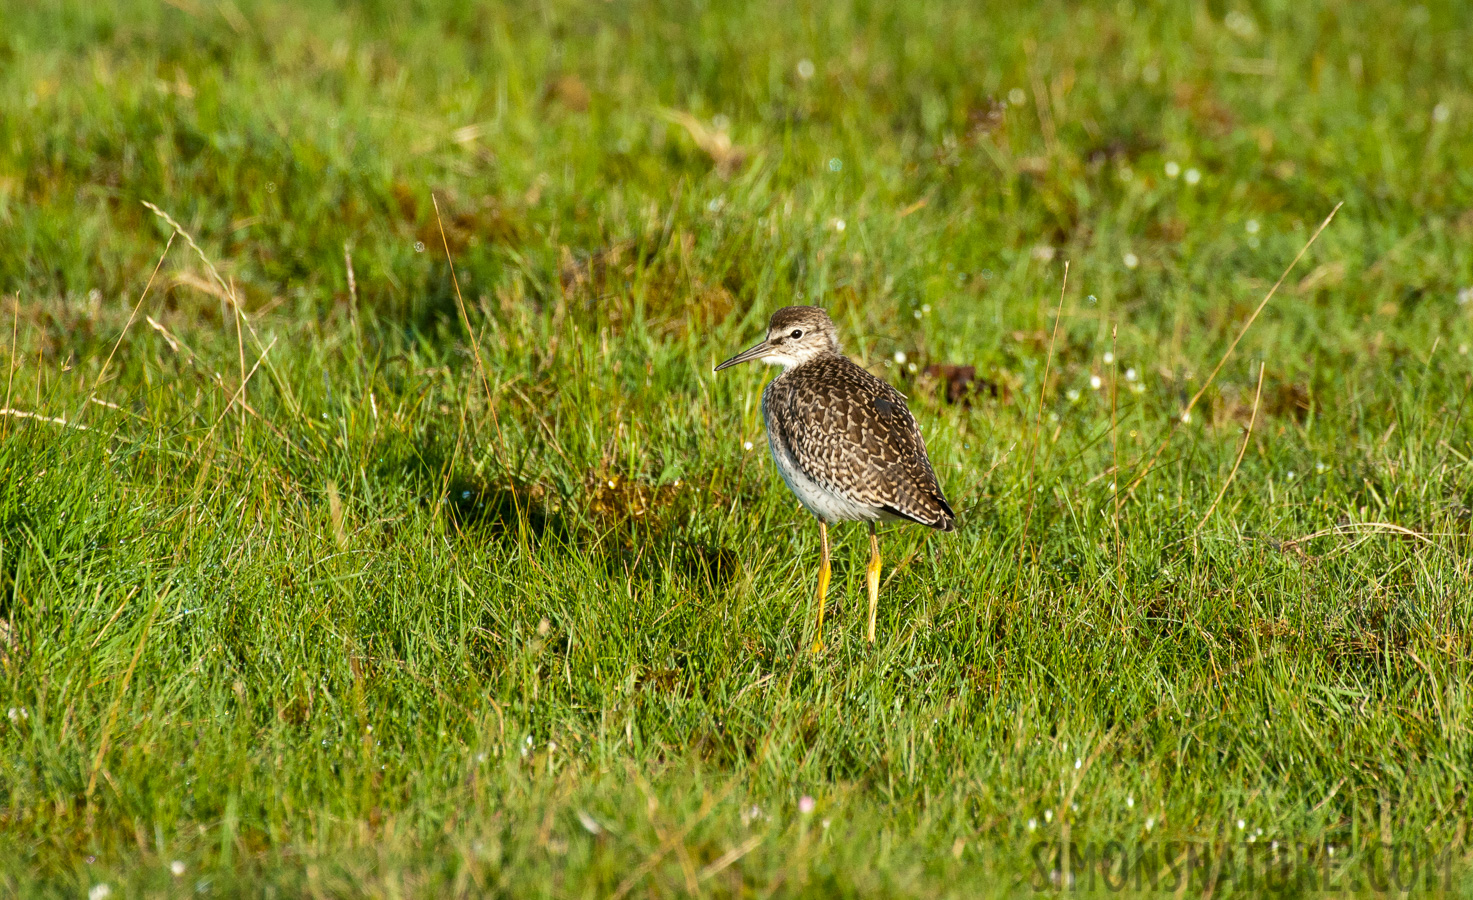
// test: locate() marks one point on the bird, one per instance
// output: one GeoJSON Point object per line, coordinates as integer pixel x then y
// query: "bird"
{"type": "Point", "coordinates": [843, 440]}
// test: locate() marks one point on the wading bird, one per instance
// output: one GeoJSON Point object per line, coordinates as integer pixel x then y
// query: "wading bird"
{"type": "Point", "coordinates": [843, 440]}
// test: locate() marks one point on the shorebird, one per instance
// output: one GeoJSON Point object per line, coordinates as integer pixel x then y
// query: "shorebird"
{"type": "Point", "coordinates": [843, 440]}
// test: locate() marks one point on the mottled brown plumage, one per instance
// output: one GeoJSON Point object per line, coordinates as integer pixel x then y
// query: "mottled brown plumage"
{"type": "Point", "coordinates": [842, 439]}
{"type": "Point", "coordinates": [852, 433]}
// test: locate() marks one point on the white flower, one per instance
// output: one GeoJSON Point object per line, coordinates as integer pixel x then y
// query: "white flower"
{"type": "Point", "coordinates": [900, 357]}
{"type": "Point", "coordinates": [1251, 226]}
{"type": "Point", "coordinates": [746, 445]}
{"type": "Point", "coordinates": [1032, 824]}
{"type": "Point", "coordinates": [1109, 357]}
{"type": "Point", "coordinates": [1192, 176]}
{"type": "Point", "coordinates": [838, 224]}
{"type": "Point", "coordinates": [1242, 824]}
{"type": "Point", "coordinates": [1078, 762]}
{"type": "Point", "coordinates": [1130, 375]}
{"type": "Point", "coordinates": [99, 891]}
{"type": "Point", "coordinates": [1129, 801]}
{"type": "Point", "coordinates": [1465, 296]}
{"type": "Point", "coordinates": [1048, 815]}
{"type": "Point", "coordinates": [1017, 97]}
{"type": "Point", "coordinates": [1172, 169]}
{"type": "Point", "coordinates": [806, 804]}
{"type": "Point", "coordinates": [1072, 394]}
{"type": "Point", "coordinates": [1095, 382]}
{"type": "Point", "coordinates": [1150, 823]}
{"type": "Point", "coordinates": [177, 867]}
{"type": "Point", "coordinates": [1131, 260]}
{"type": "Point", "coordinates": [1441, 113]}
{"type": "Point", "coordinates": [805, 69]}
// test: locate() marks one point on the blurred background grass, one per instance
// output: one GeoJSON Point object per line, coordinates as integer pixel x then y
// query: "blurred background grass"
{"type": "Point", "coordinates": [393, 626]}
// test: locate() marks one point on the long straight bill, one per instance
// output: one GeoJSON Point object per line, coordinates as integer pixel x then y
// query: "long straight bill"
{"type": "Point", "coordinates": [745, 356]}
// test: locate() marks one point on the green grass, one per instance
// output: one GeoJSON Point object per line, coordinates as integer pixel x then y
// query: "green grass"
{"type": "Point", "coordinates": [405, 629]}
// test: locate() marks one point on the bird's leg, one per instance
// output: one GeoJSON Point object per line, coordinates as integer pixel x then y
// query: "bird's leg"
{"type": "Point", "coordinates": [823, 584]}
{"type": "Point", "coordinates": [872, 579]}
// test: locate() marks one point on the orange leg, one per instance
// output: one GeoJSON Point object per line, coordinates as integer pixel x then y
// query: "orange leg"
{"type": "Point", "coordinates": [872, 579]}
{"type": "Point", "coordinates": [823, 584]}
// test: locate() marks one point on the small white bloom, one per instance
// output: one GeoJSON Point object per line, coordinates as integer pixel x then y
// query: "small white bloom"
{"type": "Point", "coordinates": [1032, 824]}
{"type": "Point", "coordinates": [1441, 113]}
{"type": "Point", "coordinates": [1017, 97]}
{"type": "Point", "coordinates": [1095, 382]}
{"type": "Point", "coordinates": [746, 445]}
{"type": "Point", "coordinates": [910, 367]}
{"type": "Point", "coordinates": [805, 69]}
{"type": "Point", "coordinates": [1251, 226]}
{"type": "Point", "coordinates": [1291, 474]}
{"type": "Point", "coordinates": [916, 314]}
{"type": "Point", "coordinates": [1048, 815]}
{"type": "Point", "coordinates": [1150, 823]}
{"type": "Point", "coordinates": [1186, 416]}
{"type": "Point", "coordinates": [900, 357]}
{"type": "Point", "coordinates": [1072, 394]}
{"type": "Point", "coordinates": [1131, 260]}
{"type": "Point", "coordinates": [838, 224]}
{"type": "Point", "coordinates": [1109, 357]}
{"type": "Point", "coordinates": [1242, 824]}
{"type": "Point", "coordinates": [177, 867]}
{"type": "Point", "coordinates": [1192, 176]}
{"type": "Point", "coordinates": [99, 891]}
{"type": "Point", "coordinates": [1172, 169]}
{"type": "Point", "coordinates": [1078, 762]}
{"type": "Point", "coordinates": [925, 307]}
{"type": "Point", "coordinates": [720, 122]}
{"type": "Point", "coordinates": [806, 804]}
{"type": "Point", "coordinates": [1129, 801]}
{"type": "Point", "coordinates": [1130, 375]}
{"type": "Point", "coordinates": [419, 246]}
{"type": "Point", "coordinates": [1321, 468]}
{"type": "Point", "coordinates": [1465, 296]}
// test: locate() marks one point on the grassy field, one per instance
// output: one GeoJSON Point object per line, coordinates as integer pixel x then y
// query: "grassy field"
{"type": "Point", "coordinates": [316, 582]}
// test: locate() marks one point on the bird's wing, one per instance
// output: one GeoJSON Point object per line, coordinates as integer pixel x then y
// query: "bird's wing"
{"type": "Point", "coordinates": [853, 433]}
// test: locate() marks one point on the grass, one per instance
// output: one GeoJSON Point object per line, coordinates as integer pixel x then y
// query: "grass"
{"type": "Point", "coordinates": [496, 599]}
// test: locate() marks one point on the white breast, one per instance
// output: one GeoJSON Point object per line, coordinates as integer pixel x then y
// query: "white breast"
{"type": "Point", "coordinates": [817, 499]}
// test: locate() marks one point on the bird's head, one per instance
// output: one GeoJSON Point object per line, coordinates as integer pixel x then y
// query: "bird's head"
{"type": "Point", "coordinates": [795, 335]}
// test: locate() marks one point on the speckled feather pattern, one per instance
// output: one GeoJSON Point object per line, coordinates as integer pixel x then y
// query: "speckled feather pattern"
{"type": "Point", "coordinates": [852, 434]}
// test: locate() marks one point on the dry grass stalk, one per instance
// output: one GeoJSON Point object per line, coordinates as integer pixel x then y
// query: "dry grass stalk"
{"type": "Point", "coordinates": [1186, 413]}
{"type": "Point", "coordinates": [1038, 418]}
{"type": "Point", "coordinates": [1247, 436]}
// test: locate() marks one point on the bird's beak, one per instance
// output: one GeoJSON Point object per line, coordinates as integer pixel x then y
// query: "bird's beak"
{"type": "Point", "coordinates": [748, 355]}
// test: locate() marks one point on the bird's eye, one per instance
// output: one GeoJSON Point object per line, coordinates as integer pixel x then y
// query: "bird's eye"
{"type": "Point", "coordinates": [797, 333]}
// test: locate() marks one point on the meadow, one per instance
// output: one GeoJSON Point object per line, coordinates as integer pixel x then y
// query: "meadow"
{"type": "Point", "coordinates": [372, 522]}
